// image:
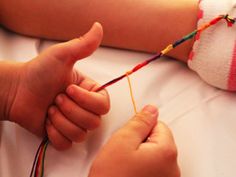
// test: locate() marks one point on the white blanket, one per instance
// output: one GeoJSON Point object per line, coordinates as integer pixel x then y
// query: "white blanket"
{"type": "Point", "coordinates": [202, 118]}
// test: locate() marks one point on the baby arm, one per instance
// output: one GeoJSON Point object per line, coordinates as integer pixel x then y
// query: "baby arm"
{"type": "Point", "coordinates": [131, 24]}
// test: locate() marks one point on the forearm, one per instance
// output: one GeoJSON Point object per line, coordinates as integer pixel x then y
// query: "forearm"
{"type": "Point", "coordinates": [8, 82]}
{"type": "Point", "coordinates": [131, 24]}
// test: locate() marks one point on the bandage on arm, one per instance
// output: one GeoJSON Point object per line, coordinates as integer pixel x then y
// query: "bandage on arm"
{"type": "Point", "coordinates": [213, 56]}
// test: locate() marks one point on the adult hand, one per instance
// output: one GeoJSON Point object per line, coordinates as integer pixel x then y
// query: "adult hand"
{"type": "Point", "coordinates": [142, 148]}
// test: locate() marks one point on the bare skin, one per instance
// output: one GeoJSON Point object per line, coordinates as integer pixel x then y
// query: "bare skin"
{"type": "Point", "coordinates": [141, 148]}
{"type": "Point", "coordinates": [46, 94]}
{"type": "Point", "coordinates": [137, 25]}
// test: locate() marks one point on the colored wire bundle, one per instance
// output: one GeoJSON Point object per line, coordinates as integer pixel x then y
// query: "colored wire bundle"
{"type": "Point", "coordinates": [230, 21]}
{"type": "Point", "coordinates": [38, 164]}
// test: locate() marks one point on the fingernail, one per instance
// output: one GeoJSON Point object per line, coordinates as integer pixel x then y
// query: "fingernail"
{"type": "Point", "coordinates": [59, 99]}
{"type": "Point", "coordinates": [96, 24]}
{"type": "Point", "coordinates": [151, 109]}
{"type": "Point", "coordinates": [70, 90]}
{"type": "Point", "coordinates": [51, 110]}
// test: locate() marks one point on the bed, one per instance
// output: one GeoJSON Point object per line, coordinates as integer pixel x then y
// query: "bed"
{"type": "Point", "coordinates": [202, 118]}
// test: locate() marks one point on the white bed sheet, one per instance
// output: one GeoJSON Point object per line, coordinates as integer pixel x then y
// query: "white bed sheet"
{"type": "Point", "coordinates": [202, 118]}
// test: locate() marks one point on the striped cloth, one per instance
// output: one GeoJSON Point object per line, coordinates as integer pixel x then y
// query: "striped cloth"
{"type": "Point", "coordinates": [213, 55]}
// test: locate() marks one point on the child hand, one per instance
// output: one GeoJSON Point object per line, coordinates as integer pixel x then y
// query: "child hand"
{"type": "Point", "coordinates": [43, 81]}
{"type": "Point", "coordinates": [75, 112]}
{"type": "Point", "coordinates": [142, 148]}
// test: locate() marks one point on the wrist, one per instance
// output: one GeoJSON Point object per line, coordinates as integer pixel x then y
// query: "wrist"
{"type": "Point", "coordinates": [9, 79]}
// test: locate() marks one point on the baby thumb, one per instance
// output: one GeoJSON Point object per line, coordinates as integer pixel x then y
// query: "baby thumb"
{"type": "Point", "coordinates": [73, 50]}
{"type": "Point", "coordinates": [138, 128]}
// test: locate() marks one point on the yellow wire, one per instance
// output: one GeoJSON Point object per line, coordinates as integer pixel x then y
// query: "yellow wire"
{"type": "Point", "coordinates": [167, 49]}
{"type": "Point", "coordinates": [131, 92]}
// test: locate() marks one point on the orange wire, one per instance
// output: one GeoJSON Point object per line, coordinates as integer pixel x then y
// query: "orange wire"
{"type": "Point", "coordinates": [131, 92]}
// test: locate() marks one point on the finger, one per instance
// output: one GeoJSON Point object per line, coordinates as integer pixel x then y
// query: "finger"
{"type": "Point", "coordinates": [97, 103]}
{"type": "Point", "coordinates": [76, 114]}
{"type": "Point", "coordinates": [66, 127]}
{"type": "Point", "coordinates": [73, 50]}
{"type": "Point", "coordinates": [163, 138]}
{"type": "Point", "coordinates": [87, 83]}
{"type": "Point", "coordinates": [160, 143]}
{"type": "Point", "coordinates": [161, 134]}
{"type": "Point", "coordinates": [56, 138]}
{"type": "Point", "coordinates": [137, 129]}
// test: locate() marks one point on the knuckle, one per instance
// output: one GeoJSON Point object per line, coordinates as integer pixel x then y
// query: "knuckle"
{"type": "Point", "coordinates": [80, 100]}
{"type": "Point", "coordinates": [64, 104]}
{"type": "Point", "coordinates": [93, 124]}
{"type": "Point", "coordinates": [80, 137]}
{"type": "Point", "coordinates": [56, 51]}
{"type": "Point", "coordinates": [170, 153]}
{"type": "Point", "coordinates": [142, 120]}
{"type": "Point", "coordinates": [120, 136]}
{"type": "Point", "coordinates": [56, 141]}
{"type": "Point", "coordinates": [68, 110]}
{"type": "Point", "coordinates": [89, 45]}
{"type": "Point", "coordinates": [53, 118]}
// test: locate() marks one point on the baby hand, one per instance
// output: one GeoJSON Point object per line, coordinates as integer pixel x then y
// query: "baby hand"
{"type": "Point", "coordinates": [76, 112]}
{"type": "Point", "coordinates": [43, 82]}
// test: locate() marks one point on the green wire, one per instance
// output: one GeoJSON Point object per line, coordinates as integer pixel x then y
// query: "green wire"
{"type": "Point", "coordinates": [43, 159]}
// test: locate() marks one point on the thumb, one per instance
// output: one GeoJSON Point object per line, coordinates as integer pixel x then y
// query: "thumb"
{"type": "Point", "coordinates": [137, 129]}
{"type": "Point", "coordinates": [161, 135]}
{"type": "Point", "coordinates": [73, 50]}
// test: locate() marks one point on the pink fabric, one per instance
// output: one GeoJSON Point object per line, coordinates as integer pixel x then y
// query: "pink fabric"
{"type": "Point", "coordinates": [232, 74]}
{"type": "Point", "coordinates": [225, 78]}
{"type": "Point", "coordinates": [197, 37]}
